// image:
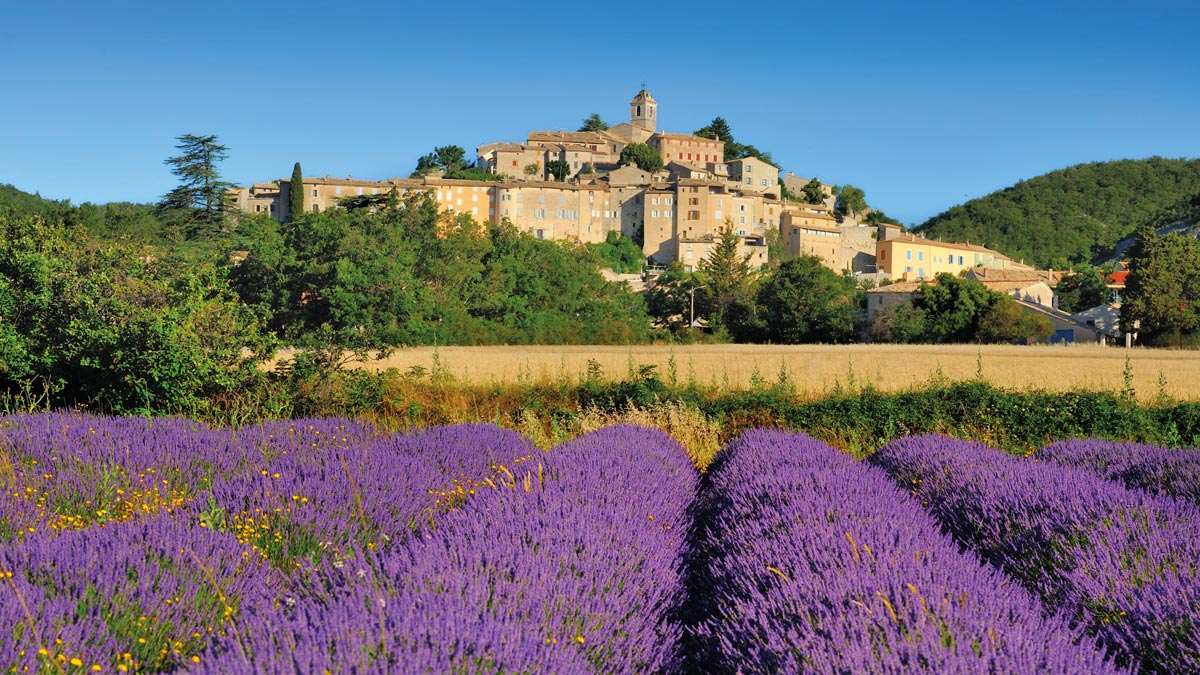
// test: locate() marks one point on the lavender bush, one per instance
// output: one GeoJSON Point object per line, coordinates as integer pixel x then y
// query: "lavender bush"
{"type": "Point", "coordinates": [571, 565]}
{"type": "Point", "coordinates": [817, 563]}
{"type": "Point", "coordinates": [1122, 562]}
{"type": "Point", "coordinates": [1143, 467]}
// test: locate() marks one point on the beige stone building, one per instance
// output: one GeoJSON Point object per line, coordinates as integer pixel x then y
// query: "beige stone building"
{"type": "Point", "coordinates": [258, 198]}
{"type": "Point", "coordinates": [810, 232]}
{"type": "Point", "coordinates": [909, 258]}
{"type": "Point", "coordinates": [755, 174]}
{"type": "Point", "coordinates": [687, 148]}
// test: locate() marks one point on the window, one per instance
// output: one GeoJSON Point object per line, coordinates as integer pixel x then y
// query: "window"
{"type": "Point", "coordinates": [314, 192]}
{"type": "Point", "coordinates": [666, 214]}
{"type": "Point", "coordinates": [654, 201]}
{"type": "Point", "coordinates": [742, 208]}
{"type": "Point", "coordinates": [920, 271]}
{"type": "Point", "coordinates": [907, 269]}
{"type": "Point", "coordinates": [338, 190]}
{"type": "Point", "coordinates": [908, 256]}
{"type": "Point", "coordinates": [749, 180]}
{"type": "Point", "coordinates": [717, 214]}
{"type": "Point", "coordinates": [654, 213]}
{"type": "Point", "coordinates": [749, 168]}
{"type": "Point", "coordinates": [518, 212]}
{"type": "Point", "coordinates": [258, 208]}
{"type": "Point", "coordinates": [720, 202]}
{"type": "Point", "coordinates": [741, 220]}
{"type": "Point", "coordinates": [763, 182]}
{"type": "Point", "coordinates": [359, 191]}
{"type": "Point", "coordinates": [539, 213]}
{"type": "Point", "coordinates": [315, 207]}
{"type": "Point", "coordinates": [693, 215]}
{"type": "Point", "coordinates": [920, 255]}
{"type": "Point", "coordinates": [960, 260]}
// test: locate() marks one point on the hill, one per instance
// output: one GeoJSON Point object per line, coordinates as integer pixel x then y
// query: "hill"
{"type": "Point", "coordinates": [1077, 214]}
{"type": "Point", "coordinates": [20, 202]}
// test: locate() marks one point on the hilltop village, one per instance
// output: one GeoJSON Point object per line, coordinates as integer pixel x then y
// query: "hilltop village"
{"type": "Point", "coordinates": [678, 213]}
{"type": "Point", "coordinates": [681, 212]}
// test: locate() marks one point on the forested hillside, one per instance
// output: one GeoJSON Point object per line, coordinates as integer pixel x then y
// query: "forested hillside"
{"type": "Point", "coordinates": [1077, 214]}
{"type": "Point", "coordinates": [13, 200]}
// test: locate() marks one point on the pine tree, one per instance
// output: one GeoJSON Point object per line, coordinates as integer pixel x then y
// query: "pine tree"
{"type": "Point", "coordinates": [198, 202]}
{"type": "Point", "coordinates": [296, 193]}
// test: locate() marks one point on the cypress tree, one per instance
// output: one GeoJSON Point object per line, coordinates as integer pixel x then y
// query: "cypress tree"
{"type": "Point", "coordinates": [296, 194]}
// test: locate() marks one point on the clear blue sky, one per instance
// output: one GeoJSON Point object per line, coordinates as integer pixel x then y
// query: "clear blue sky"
{"type": "Point", "coordinates": [922, 104]}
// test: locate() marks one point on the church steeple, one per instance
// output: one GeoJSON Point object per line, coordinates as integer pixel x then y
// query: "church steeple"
{"type": "Point", "coordinates": [643, 110]}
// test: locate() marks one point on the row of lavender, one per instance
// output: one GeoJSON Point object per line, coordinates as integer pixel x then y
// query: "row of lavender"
{"type": "Point", "coordinates": [817, 563]}
{"type": "Point", "coordinates": [1123, 563]}
{"type": "Point", "coordinates": [576, 568]}
{"type": "Point", "coordinates": [136, 546]}
{"type": "Point", "coordinates": [1143, 467]}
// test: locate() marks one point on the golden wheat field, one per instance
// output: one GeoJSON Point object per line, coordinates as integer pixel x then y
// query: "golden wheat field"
{"type": "Point", "coordinates": [819, 369]}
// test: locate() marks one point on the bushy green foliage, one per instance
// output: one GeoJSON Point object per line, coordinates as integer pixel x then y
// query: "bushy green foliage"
{"type": "Point", "coordinates": [593, 123]}
{"type": "Point", "coordinates": [1162, 291]}
{"type": "Point", "coordinates": [105, 325]}
{"type": "Point", "coordinates": [409, 276]}
{"type": "Point", "coordinates": [642, 156]}
{"type": "Point", "coordinates": [19, 202]}
{"type": "Point", "coordinates": [620, 254]}
{"type": "Point", "coordinates": [670, 300]}
{"type": "Point", "coordinates": [851, 200]}
{"type": "Point", "coordinates": [814, 193]}
{"type": "Point", "coordinates": [803, 301]}
{"type": "Point", "coordinates": [958, 310]}
{"type": "Point", "coordinates": [1084, 288]}
{"type": "Point", "coordinates": [1077, 214]}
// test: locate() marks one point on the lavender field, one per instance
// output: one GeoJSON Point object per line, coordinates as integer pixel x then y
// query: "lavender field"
{"type": "Point", "coordinates": [135, 545]}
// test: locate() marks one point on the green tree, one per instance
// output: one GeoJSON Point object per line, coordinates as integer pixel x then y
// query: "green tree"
{"type": "Point", "coordinates": [296, 193]}
{"type": "Point", "coordinates": [1082, 289]}
{"type": "Point", "coordinates": [1162, 291]}
{"type": "Point", "coordinates": [642, 156]}
{"type": "Point", "coordinates": [559, 168]}
{"type": "Point", "coordinates": [899, 324]}
{"type": "Point", "coordinates": [718, 130]}
{"type": "Point", "coordinates": [197, 203]}
{"type": "Point", "coordinates": [593, 123]}
{"type": "Point", "coordinates": [669, 301]}
{"type": "Point", "coordinates": [953, 308]}
{"type": "Point", "coordinates": [1005, 322]}
{"type": "Point", "coordinates": [851, 200]}
{"type": "Point", "coordinates": [531, 169]}
{"type": "Point", "coordinates": [449, 159]}
{"type": "Point", "coordinates": [814, 192]}
{"type": "Point", "coordinates": [876, 217]}
{"type": "Point", "coordinates": [725, 277]}
{"type": "Point", "coordinates": [803, 301]}
{"type": "Point", "coordinates": [620, 254]}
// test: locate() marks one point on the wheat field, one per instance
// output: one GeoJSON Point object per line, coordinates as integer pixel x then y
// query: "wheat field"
{"type": "Point", "coordinates": [820, 369]}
